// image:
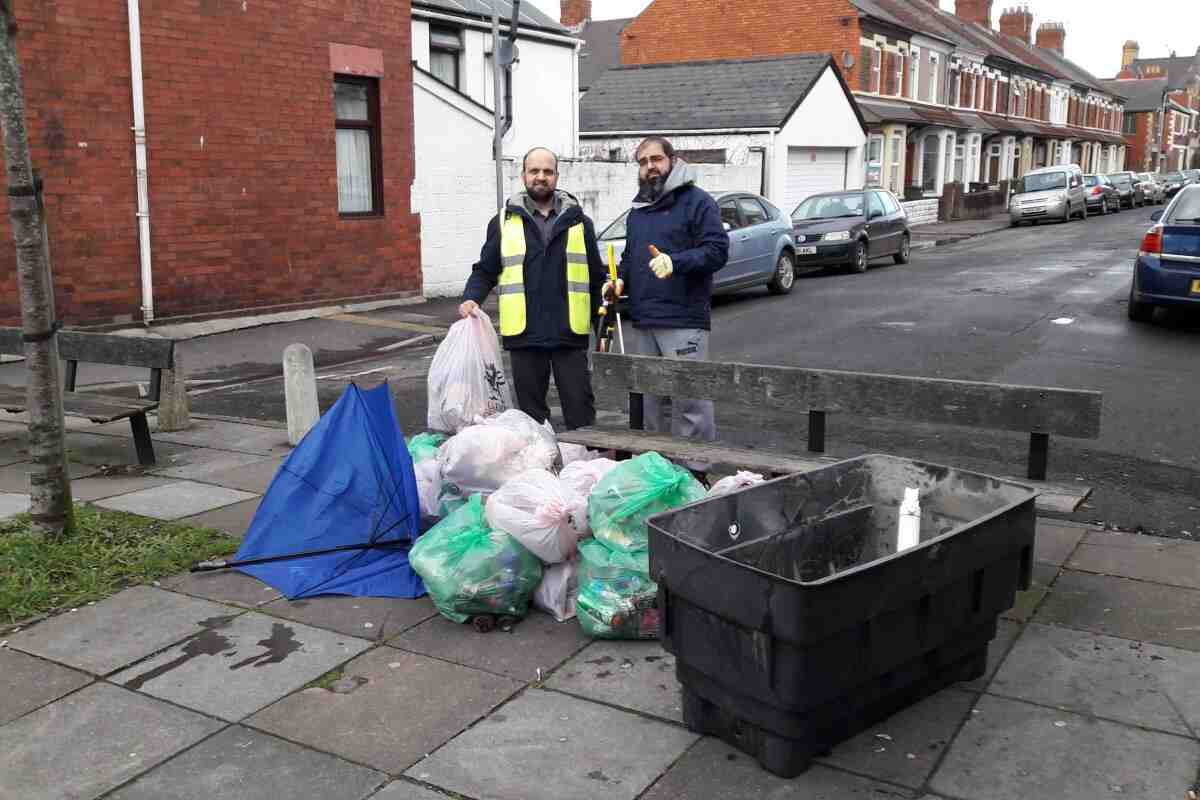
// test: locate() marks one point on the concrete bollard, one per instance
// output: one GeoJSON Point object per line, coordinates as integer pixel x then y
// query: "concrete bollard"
{"type": "Point", "coordinates": [174, 411]}
{"type": "Point", "coordinates": [300, 391]}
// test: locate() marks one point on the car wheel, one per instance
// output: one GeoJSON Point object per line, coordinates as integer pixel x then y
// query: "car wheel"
{"type": "Point", "coordinates": [1104, 207]}
{"type": "Point", "coordinates": [785, 275]}
{"type": "Point", "coordinates": [860, 262]}
{"type": "Point", "coordinates": [905, 252]}
{"type": "Point", "coordinates": [1139, 312]}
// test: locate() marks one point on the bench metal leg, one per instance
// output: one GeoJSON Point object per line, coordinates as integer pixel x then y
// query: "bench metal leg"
{"type": "Point", "coordinates": [1039, 454]}
{"type": "Point", "coordinates": [816, 431]}
{"type": "Point", "coordinates": [637, 412]}
{"type": "Point", "coordinates": [141, 439]}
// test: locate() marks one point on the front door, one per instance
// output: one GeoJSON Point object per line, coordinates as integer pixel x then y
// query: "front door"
{"type": "Point", "coordinates": [930, 161]}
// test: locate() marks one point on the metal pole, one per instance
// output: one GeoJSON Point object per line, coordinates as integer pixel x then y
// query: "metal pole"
{"type": "Point", "coordinates": [497, 92]}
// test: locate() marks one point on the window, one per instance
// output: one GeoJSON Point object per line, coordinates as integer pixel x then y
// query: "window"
{"type": "Point", "coordinates": [894, 166]}
{"type": "Point", "coordinates": [898, 62]}
{"type": "Point", "coordinates": [356, 109]}
{"type": "Point", "coordinates": [875, 205]}
{"type": "Point", "coordinates": [889, 204]}
{"type": "Point", "coordinates": [729, 215]}
{"type": "Point", "coordinates": [876, 65]}
{"type": "Point", "coordinates": [960, 158]}
{"type": "Point", "coordinates": [955, 95]}
{"type": "Point", "coordinates": [617, 229]}
{"type": "Point", "coordinates": [873, 153]}
{"type": "Point", "coordinates": [710, 156]}
{"type": "Point", "coordinates": [1130, 126]}
{"type": "Point", "coordinates": [445, 46]}
{"type": "Point", "coordinates": [752, 211]}
{"type": "Point", "coordinates": [914, 72]}
{"type": "Point", "coordinates": [934, 71]}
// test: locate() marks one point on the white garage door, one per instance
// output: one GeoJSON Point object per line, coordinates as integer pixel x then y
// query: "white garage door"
{"type": "Point", "coordinates": [812, 170]}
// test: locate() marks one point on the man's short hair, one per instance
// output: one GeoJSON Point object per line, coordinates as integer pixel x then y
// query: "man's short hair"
{"type": "Point", "coordinates": [525, 160]}
{"type": "Point", "coordinates": [667, 149]}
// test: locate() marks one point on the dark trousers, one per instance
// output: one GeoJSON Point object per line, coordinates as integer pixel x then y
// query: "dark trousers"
{"type": "Point", "coordinates": [531, 380]}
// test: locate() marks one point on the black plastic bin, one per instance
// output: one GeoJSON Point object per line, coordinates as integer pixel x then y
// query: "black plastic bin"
{"type": "Point", "coordinates": [795, 623]}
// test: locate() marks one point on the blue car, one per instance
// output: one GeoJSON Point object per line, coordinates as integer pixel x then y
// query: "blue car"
{"type": "Point", "coordinates": [1167, 271]}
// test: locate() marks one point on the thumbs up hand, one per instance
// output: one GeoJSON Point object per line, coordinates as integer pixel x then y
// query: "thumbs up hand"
{"type": "Point", "coordinates": [661, 263]}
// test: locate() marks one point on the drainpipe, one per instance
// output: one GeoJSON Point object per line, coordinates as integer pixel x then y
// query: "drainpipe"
{"type": "Point", "coordinates": [139, 144]}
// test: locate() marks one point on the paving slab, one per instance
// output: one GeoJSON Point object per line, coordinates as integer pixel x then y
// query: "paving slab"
{"type": "Point", "coordinates": [14, 478]}
{"type": "Point", "coordinates": [243, 764]}
{"type": "Point", "coordinates": [1056, 540]}
{"type": "Point", "coordinates": [92, 741]}
{"type": "Point", "coordinates": [175, 500]}
{"type": "Point", "coordinates": [234, 436]}
{"type": "Point", "coordinates": [234, 520]}
{"type": "Point", "coordinates": [86, 447]}
{"type": "Point", "coordinates": [635, 675]}
{"type": "Point", "coordinates": [546, 746]}
{"type": "Point", "coordinates": [1028, 601]}
{"type": "Point", "coordinates": [390, 709]}
{"type": "Point", "coordinates": [12, 504]}
{"type": "Point", "coordinates": [239, 665]}
{"type": "Point", "coordinates": [201, 462]}
{"type": "Point", "coordinates": [99, 486]}
{"type": "Point", "coordinates": [254, 477]}
{"type": "Point", "coordinates": [1007, 632]}
{"type": "Point", "coordinates": [1130, 609]}
{"type": "Point", "coordinates": [403, 790]}
{"type": "Point", "coordinates": [1142, 684]}
{"type": "Point", "coordinates": [374, 618]}
{"type": "Point", "coordinates": [1014, 751]}
{"type": "Point", "coordinates": [537, 642]}
{"type": "Point", "coordinates": [1146, 558]}
{"type": "Point", "coordinates": [126, 627]}
{"type": "Point", "coordinates": [905, 747]}
{"type": "Point", "coordinates": [226, 586]}
{"type": "Point", "coordinates": [27, 683]}
{"type": "Point", "coordinates": [712, 770]}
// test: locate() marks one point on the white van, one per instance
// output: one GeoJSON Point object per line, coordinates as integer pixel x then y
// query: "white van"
{"type": "Point", "coordinates": [1048, 193]}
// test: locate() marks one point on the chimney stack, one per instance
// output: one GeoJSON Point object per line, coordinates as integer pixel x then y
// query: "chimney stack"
{"type": "Point", "coordinates": [1018, 23]}
{"type": "Point", "coordinates": [574, 13]}
{"type": "Point", "coordinates": [1129, 54]}
{"type": "Point", "coordinates": [977, 11]}
{"type": "Point", "coordinates": [1051, 36]}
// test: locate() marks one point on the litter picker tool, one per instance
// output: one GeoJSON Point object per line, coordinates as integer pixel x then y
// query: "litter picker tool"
{"type": "Point", "coordinates": [608, 319]}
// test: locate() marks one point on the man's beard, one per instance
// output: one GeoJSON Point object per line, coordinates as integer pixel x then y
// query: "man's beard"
{"type": "Point", "coordinates": [540, 193]}
{"type": "Point", "coordinates": [651, 188]}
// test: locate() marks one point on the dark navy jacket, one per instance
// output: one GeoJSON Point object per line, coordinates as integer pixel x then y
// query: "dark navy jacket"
{"type": "Point", "coordinates": [684, 223]}
{"type": "Point", "coordinates": [547, 325]}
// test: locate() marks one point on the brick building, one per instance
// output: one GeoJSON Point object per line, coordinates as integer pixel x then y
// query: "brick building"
{"type": "Point", "coordinates": [279, 145]}
{"type": "Point", "coordinates": [1165, 127]}
{"type": "Point", "coordinates": [949, 97]}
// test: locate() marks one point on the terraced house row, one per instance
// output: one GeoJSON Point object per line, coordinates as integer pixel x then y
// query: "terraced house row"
{"type": "Point", "coordinates": [947, 97]}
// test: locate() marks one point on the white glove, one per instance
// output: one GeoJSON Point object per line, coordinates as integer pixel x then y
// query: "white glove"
{"type": "Point", "coordinates": [661, 264]}
{"type": "Point", "coordinates": [608, 288]}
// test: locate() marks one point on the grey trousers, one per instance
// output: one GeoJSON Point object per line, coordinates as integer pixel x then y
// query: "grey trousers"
{"type": "Point", "coordinates": [692, 419]}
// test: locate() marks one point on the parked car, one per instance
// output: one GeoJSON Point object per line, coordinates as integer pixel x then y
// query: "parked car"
{"type": "Point", "coordinates": [1173, 182]}
{"type": "Point", "coordinates": [850, 229]}
{"type": "Point", "coordinates": [761, 250]}
{"type": "Point", "coordinates": [1048, 193]}
{"type": "Point", "coordinates": [1192, 175]}
{"type": "Point", "coordinates": [1130, 188]}
{"type": "Point", "coordinates": [1152, 190]}
{"type": "Point", "coordinates": [1102, 196]}
{"type": "Point", "coordinates": [1167, 270]}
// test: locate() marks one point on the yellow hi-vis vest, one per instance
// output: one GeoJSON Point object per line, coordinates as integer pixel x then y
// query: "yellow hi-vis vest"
{"type": "Point", "coordinates": [512, 279]}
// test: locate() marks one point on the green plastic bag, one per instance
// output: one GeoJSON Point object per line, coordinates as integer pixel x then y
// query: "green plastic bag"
{"type": "Point", "coordinates": [425, 446]}
{"type": "Point", "coordinates": [470, 569]}
{"type": "Point", "coordinates": [617, 599]}
{"type": "Point", "coordinates": [632, 492]}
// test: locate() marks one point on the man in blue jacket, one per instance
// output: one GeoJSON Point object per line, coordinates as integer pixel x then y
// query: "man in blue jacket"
{"type": "Point", "coordinates": [674, 242]}
{"type": "Point", "coordinates": [543, 256]}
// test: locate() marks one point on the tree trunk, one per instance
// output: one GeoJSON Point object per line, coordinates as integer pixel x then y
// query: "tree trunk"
{"type": "Point", "coordinates": [50, 488]}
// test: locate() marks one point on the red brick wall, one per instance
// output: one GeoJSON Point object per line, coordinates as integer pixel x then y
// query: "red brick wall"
{"type": "Point", "coordinates": [685, 30]}
{"type": "Point", "coordinates": [243, 174]}
{"type": "Point", "coordinates": [1137, 145]}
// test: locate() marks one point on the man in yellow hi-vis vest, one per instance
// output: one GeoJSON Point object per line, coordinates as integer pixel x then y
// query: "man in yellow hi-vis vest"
{"type": "Point", "coordinates": [541, 257]}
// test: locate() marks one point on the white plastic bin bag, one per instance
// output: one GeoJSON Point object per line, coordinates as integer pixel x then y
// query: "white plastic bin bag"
{"type": "Point", "coordinates": [466, 379]}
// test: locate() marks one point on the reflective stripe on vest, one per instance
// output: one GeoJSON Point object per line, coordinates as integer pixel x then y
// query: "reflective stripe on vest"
{"type": "Point", "coordinates": [511, 289]}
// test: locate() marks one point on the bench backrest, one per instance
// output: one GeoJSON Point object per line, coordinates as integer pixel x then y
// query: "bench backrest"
{"type": "Point", "coordinates": [785, 392]}
{"type": "Point", "coordinates": [103, 348]}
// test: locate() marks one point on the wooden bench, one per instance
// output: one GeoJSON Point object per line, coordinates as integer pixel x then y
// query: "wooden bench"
{"type": "Point", "coordinates": [778, 395]}
{"type": "Point", "coordinates": [75, 347]}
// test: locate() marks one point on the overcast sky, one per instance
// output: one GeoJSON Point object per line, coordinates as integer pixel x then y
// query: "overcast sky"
{"type": "Point", "coordinates": [1096, 29]}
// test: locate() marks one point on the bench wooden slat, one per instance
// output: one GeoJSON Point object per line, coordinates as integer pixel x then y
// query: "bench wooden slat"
{"type": "Point", "coordinates": [688, 450]}
{"type": "Point", "coordinates": [97, 408]}
{"type": "Point", "coordinates": [789, 392]}
{"type": "Point", "coordinates": [101, 348]}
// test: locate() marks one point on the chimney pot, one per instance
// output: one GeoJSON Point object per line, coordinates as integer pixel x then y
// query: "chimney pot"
{"type": "Point", "coordinates": [574, 13]}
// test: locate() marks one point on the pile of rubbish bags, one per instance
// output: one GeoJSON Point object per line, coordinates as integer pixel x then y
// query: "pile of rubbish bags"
{"type": "Point", "coordinates": [523, 521]}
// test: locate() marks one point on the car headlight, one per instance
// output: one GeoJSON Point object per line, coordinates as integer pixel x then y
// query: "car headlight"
{"type": "Point", "coordinates": [837, 236]}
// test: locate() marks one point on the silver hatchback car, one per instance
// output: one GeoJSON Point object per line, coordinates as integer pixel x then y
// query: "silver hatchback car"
{"type": "Point", "coordinates": [1048, 193]}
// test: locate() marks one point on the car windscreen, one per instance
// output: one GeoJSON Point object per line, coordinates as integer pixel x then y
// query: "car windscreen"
{"type": "Point", "coordinates": [1042, 182]}
{"type": "Point", "coordinates": [1121, 180]}
{"type": "Point", "coordinates": [830, 206]}
{"type": "Point", "coordinates": [1145, 176]}
{"type": "Point", "coordinates": [1176, 176]}
{"type": "Point", "coordinates": [1091, 180]}
{"type": "Point", "coordinates": [616, 230]}
{"type": "Point", "coordinates": [1186, 208]}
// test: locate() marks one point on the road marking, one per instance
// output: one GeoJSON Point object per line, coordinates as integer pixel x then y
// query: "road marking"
{"type": "Point", "coordinates": [1063, 320]}
{"type": "Point", "coordinates": [413, 342]}
{"type": "Point", "coordinates": [387, 323]}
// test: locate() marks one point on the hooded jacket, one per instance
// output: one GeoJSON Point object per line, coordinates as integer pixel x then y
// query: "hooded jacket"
{"type": "Point", "coordinates": [547, 326]}
{"type": "Point", "coordinates": [684, 223]}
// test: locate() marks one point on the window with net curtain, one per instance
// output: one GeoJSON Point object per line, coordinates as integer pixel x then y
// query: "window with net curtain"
{"type": "Point", "coordinates": [356, 106]}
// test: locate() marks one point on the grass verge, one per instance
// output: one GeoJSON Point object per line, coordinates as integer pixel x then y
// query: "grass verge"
{"type": "Point", "coordinates": [108, 552]}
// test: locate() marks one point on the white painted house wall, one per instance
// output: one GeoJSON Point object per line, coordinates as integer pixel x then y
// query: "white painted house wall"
{"type": "Point", "coordinates": [825, 119]}
{"type": "Point", "coordinates": [545, 82]}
